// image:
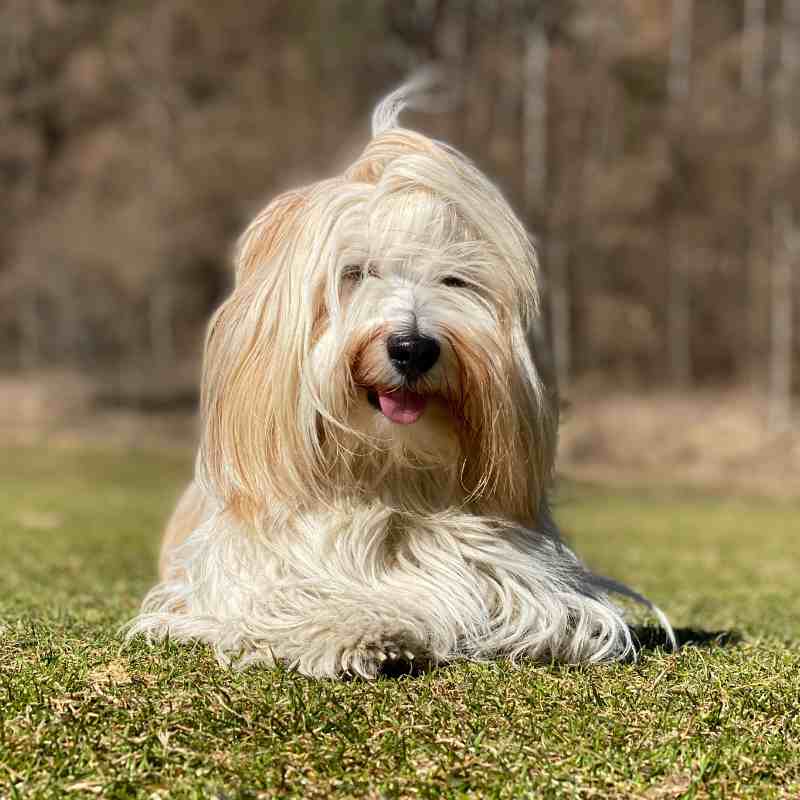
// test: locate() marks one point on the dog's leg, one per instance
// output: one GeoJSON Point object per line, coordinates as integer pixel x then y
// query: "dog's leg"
{"type": "Point", "coordinates": [223, 586]}
{"type": "Point", "coordinates": [334, 637]}
{"type": "Point", "coordinates": [192, 511]}
{"type": "Point", "coordinates": [461, 589]}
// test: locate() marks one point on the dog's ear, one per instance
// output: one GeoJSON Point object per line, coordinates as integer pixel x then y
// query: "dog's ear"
{"type": "Point", "coordinates": [267, 233]}
{"type": "Point", "coordinates": [509, 444]}
{"type": "Point", "coordinates": [253, 445]}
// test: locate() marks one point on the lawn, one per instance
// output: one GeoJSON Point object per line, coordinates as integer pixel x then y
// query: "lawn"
{"type": "Point", "coordinates": [80, 716]}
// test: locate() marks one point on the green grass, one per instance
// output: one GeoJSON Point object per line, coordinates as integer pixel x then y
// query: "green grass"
{"type": "Point", "coordinates": [79, 716]}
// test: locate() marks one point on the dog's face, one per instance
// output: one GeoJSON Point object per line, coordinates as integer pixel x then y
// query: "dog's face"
{"type": "Point", "coordinates": [378, 342]}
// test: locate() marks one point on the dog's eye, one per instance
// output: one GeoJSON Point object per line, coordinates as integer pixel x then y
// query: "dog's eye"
{"type": "Point", "coordinates": [353, 272]}
{"type": "Point", "coordinates": [453, 282]}
{"type": "Point", "coordinates": [356, 273]}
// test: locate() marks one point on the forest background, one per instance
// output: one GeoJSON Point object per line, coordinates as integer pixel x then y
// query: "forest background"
{"type": "Point", "coordinates": [651, 146]}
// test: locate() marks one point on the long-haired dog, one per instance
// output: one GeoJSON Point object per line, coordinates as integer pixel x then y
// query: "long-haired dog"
{"type": "Point", "coordinates": [377, 440]}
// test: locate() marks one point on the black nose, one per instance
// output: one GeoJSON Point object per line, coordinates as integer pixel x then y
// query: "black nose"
{"type": "Point", "coordinates": [412, 354]}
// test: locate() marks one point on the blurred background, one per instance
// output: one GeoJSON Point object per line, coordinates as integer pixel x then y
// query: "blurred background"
{"type": "Point", "coordinates": [651, 146]}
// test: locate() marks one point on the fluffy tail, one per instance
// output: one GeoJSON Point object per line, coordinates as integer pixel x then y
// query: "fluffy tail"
{"type": "Point", "coordinates": [425, 90]}
{"type": "Point", "coordinates": [615, 587]}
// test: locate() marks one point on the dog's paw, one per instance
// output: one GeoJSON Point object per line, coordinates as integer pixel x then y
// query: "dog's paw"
{"type": "Point", "coordinates": [365, 653]}
{"type": "Point", "coordinates": [389, 656]}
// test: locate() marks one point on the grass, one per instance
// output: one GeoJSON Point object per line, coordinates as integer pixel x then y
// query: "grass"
{"type": "Point", "coordinates": [80, 717]}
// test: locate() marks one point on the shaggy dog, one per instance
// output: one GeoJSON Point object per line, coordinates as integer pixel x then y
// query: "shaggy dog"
{"type": "Point", "coordinates": [377, 440]}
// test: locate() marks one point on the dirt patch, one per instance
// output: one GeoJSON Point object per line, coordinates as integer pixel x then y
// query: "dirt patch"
{"type": "Point", "coordinates": [41, 403]}
{"type": "Point", "coordinates": [710, 439]}
{"type": "Point", "coordinates": [62, 408]}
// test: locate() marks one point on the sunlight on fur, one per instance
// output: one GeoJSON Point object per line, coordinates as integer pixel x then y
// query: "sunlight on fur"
{"type": "Point", "coordinates": [377, 441]}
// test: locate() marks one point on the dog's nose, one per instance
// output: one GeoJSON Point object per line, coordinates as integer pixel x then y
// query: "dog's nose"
{"type": "Point", "coordinates": [412, 354]}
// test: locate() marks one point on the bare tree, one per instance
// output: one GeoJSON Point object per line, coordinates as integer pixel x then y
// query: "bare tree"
{"type": "Point", "coordinates": [537, 55]}
{"type": "Point", "coordinates": [754, 47]}
{"type": "Point", "coordinates": [786, 240]}
{"type": "Point", "coordinates": [136, 143]}
{"type": "Point", "coordinates": [31, 329]}
{"type": "Point", "coordinates": [754, 186]}
{"type": "Point", "coordinates": [163, 103]}
{"type": "Point", "coordinates": [535, 154]}
{"type": "Point", "coordinates": [678, 86]}
{"type": "Point", "coordinates": [787, 249]}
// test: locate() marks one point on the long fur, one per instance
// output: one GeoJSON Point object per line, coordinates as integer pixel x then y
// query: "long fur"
{"type": "Point", "coordinates": [319, 533]}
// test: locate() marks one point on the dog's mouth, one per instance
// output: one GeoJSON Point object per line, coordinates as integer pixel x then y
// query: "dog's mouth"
{"type": "Point", "coordinates": [401, 406]}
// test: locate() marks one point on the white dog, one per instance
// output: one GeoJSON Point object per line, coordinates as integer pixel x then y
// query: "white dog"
{"type": "Point", "coordinates": [376, 438]}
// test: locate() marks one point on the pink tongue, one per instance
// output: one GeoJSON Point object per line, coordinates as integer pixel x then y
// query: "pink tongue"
{"type": "Point", "coordinates": [402, 407]}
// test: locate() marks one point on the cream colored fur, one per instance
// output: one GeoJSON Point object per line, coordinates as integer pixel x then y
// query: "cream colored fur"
{"type": "Point", "coordinates": [317, 531]}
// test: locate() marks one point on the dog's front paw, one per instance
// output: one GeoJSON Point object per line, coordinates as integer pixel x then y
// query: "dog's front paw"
{"type": "Point", "coordinates": [389, 656]}
{"type": "Point", "coordinates": [366, 652]}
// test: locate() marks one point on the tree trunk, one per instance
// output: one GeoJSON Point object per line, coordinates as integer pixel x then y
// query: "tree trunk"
{"type": "Point", "coordinates": [560, 309]}
{"type": "Point", "coordinates": [782, 319]}
{"type": "Point", "coordinates": [754, 245]}
{"type": "Point", "coordinates": [679, 295]}
{"type": "Point", "coordinates": [785, 231]}
{"type": "Point", "coordinates": [29, 325]}
{"type": "Point", "coordinates": [537, 53]}
{"type": "Point", "coordinates": [678, 303]}
{"type": "Point", "coordinates": [534, 196]}
{"type": "Point", "coordinates": [162, 330]}
{"type": "Point", "coordinates": [754, 43]}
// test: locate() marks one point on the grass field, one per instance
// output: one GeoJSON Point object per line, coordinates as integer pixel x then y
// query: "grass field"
{"type": "Point", "coordinates": [79, 716]}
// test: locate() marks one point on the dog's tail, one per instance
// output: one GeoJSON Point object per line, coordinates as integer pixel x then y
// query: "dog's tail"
{"type": "Point", "coordinates": [426, 90]}
{"type": "Point", "coordinates": [615, 587]}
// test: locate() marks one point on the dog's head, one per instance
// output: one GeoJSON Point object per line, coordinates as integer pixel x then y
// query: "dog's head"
{"type": "Point", "coordinates": [378, 341]}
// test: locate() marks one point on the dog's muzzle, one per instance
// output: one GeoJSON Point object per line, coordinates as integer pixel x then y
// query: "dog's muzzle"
{"type": "Point", "coordinates": [412, 355]}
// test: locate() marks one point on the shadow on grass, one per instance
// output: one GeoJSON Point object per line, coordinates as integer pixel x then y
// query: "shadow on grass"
{"type": "Point", "coordinates": [647, 638]}
{"type": "Point", "coordinates": [651, 637]}
{"type": "Point", "coordinates": [402, 668]}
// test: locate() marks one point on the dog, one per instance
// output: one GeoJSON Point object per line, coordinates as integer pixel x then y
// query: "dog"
{"type": "Point", "coordinates": [377, 440]}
